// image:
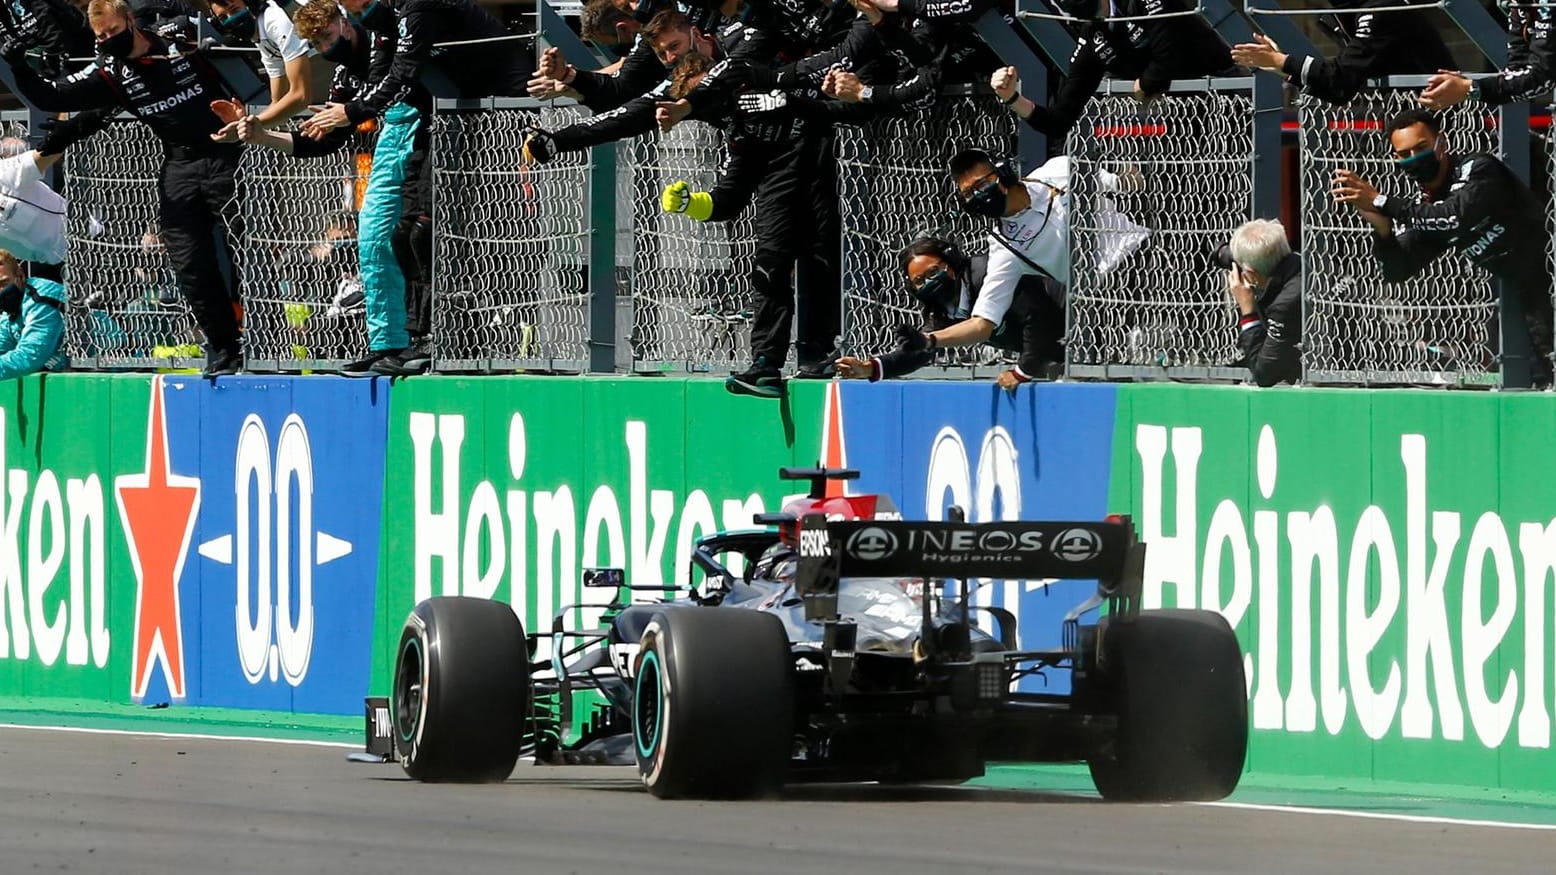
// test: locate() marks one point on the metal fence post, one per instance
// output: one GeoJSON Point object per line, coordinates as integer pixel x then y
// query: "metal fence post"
{"type": "Point", "coordinates": [602, 259]}
{"type": "Point", "coordinates": [1517, 352]}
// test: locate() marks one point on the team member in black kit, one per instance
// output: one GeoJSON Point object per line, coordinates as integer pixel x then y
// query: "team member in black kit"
{"type": "Point", "coordinates": [1531, 63]}
{"type": "Point", "coordinates": [1471, 203]}
{"type": "Point", "coordinates": [1374, 44]}
{"type": "Point", "coordinates": [1151, 53]}
{"type": "Point", "coordinates": [198, 197]}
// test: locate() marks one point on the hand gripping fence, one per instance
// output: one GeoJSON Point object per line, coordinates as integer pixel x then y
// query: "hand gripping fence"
{"type": "Point", "coordinates": [1437, 328]}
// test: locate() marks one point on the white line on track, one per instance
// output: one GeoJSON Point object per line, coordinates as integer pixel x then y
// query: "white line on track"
{"type": "Point", "coordinates": [1378, 815]}
{"type": "Point", "coordinates": [152, 733]}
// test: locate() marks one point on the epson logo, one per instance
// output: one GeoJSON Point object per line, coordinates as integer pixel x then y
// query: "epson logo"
{"type": "Point", "coordinates": [814, 542]}
{"type": "Point", "coordinates": [1077, 545]}
{"type": "Point", "coordinates": [872, 544]}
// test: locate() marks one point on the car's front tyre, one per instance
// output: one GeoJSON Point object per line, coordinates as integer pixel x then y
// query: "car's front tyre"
{"type": "Point", "coordinates": [461, 691]}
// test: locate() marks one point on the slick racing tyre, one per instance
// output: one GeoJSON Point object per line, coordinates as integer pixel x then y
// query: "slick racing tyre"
{"type": "Point", "coordinates": [461, 691]}
{"type": "Point", "coordinates": [713, 704]}
{"type": "Point", "coordinates": [1175, 681]}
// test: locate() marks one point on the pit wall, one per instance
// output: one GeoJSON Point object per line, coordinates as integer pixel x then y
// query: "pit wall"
{"type": "Point", "coordinates": [255, 544]}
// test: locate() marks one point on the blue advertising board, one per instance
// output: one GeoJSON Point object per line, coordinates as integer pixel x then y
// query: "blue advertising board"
{"type": "Point", "coordinates": [279, 579]}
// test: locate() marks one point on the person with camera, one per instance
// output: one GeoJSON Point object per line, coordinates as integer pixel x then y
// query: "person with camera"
{"type": "Point", "coordinates": [945, 282]}
{"type": "Point", "coordinates": [1264, 278]}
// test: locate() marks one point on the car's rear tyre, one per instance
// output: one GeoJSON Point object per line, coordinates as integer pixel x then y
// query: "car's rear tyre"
{"type": "Point", "coordinates": [1175, 680]}
{"type": "Point", "coordinates": [461, 691]}
{"type": "Point", "coordinates": [713, 704]}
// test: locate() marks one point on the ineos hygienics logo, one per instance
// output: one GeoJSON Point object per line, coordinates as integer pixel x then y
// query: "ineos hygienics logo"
{"type": "Point", "coordinates": [871, 544]}
{"type": "Point", "coordinates": [1077, 545]}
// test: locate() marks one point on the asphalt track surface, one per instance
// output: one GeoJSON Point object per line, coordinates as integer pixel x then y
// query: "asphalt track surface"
{"type": "Point", "coordinates": [144, 804]}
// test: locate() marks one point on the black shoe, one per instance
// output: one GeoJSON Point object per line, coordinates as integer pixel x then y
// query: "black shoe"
{"type": "Point", "coordinates": [418, 355]}
{"type": "Point", "coordinates": [404, 363]}
{"type": "Point", "coordinates": [363, 367]}
{"type": "Point", "coordinates": [820, 369]}
{"type": "Point", "coordinates": [761, 379]}
{"type": "Point", "coordinates": [222, 363]}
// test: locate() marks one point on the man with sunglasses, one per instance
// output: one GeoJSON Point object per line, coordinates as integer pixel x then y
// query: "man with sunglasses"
{"type": "Point", "coordinates": [1471, 203]}
{"type": "Point", "coordinates": [946, 283]}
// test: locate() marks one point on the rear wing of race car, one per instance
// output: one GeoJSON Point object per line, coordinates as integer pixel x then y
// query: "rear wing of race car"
{"type": "Point", "coordinates": [1107, 551]}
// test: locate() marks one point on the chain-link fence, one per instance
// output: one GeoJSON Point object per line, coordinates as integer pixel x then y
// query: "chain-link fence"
{"type": "Point", "coordinates": [511, 241]}
{"type": "Point", "coordinates": [303, 302]}
{"type": "Point", "coordinates": [690, 287]}
{"type": "Point", "coordinates": [125, 308]}
{"type": "Point", "coordinates": [1438, 328]}
{"type": "Point", "coordinates": [1155, 189]}
{"type": "Point", "coordinates": [893, 187]}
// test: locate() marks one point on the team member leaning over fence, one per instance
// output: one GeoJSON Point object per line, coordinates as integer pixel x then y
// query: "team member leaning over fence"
{"type": "Point", "coordinates": [1531, 63]}
{"type": "Point", "coordinates": [946, 282]}
{"type": "Point", "coordinates": [282, 55]}
{"type": "Point", "coordinates": [1264, 278]}
{"type": "Point", "coordinates": [638, 72]}
{"type": "Point", "coordinates": [782, 158]}
{"type": "Point", "coordinates": [1151, 53]}
{"type": "Point", "coordinates": [197, 189]}
{"type": "Point", "coordinates": [1471, 203]}
{"type": "Point", "coordinates": [391, 206]}
{"type": "Point", "coordinates": [1372, 44]}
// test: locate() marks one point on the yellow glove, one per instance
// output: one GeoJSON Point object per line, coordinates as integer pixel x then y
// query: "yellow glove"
{"type": "Point", "coordinates": [678, 197]}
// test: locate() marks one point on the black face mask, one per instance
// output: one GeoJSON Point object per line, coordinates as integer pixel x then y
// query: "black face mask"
{"type": "Point", "coordinates": [1423, 167]}
{"type": "Point", "coordinates": [377, 17]}
{"type": "Point", "coordinates": [937, 289]}
{"type": "Point", "coordinates": [986, 200]}
{"type": "Point", "coordinates": [120, 45]}
{"type": "Point", "coordinates": [11, 300]}
{"type": "Point", "coordinates": [344, 51]}
{"type": "Point", "coordinates": [242, 25]}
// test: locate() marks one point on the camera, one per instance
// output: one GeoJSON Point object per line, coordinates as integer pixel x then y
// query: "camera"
{"type": "Point", "coordinates": [1222, 257]}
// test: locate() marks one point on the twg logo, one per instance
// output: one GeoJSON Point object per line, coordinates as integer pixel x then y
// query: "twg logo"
{"type": "Point", "coordinates": [276, 539]}
{"type": "Point", "coordinates": [872, 544]}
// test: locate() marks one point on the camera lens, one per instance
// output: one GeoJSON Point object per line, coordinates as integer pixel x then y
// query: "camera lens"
{"type": "Point", "coordinates": [1223, 257]}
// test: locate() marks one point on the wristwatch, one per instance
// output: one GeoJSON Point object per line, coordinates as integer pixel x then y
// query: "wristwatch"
{"type": "Point", "coordinates": [1379, 201]}
{"type": "Point", "coordinates": [866, 93]}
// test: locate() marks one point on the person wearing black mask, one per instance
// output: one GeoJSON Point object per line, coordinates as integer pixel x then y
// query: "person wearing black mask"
{"type": "Point", "coordinates": [283, 56]}
{"type": "Point", "coordinates": [945, 282]}
{"type": "Point", "coordinates": [1373, 44]}
{"type": "Point", "coordinates": [199, 206]}
{"type": "Point", "coordinates": [1471, 203]}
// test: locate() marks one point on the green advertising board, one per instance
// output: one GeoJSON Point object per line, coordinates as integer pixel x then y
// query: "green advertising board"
{"type": "Point", "coordinates": [67, 596]}
{"type": "Point", "coordinates": [1386, 558]}
{"type": "Point", "coordinates": [508, 488]}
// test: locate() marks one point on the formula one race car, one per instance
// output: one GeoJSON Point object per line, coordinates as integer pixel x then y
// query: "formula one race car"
{"type": "Point", "coordinates": [843, 649]}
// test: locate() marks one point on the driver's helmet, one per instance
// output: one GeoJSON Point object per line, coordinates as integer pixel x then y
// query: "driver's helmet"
{"type": "Point", "coordinates": [778, 563]}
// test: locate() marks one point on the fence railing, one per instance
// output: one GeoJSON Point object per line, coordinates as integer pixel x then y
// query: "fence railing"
{"type": "Point", "coordinates": [1154, 190]}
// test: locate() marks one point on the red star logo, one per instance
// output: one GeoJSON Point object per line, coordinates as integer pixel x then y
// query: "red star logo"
{"type": "Point", "coordinates": [833, 453]}
{"type": "Point", "coordinates": [158, 510]}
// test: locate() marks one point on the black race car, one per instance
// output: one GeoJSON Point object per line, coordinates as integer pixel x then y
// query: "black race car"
{"type": "Point", "coordinates": [843, 649]}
